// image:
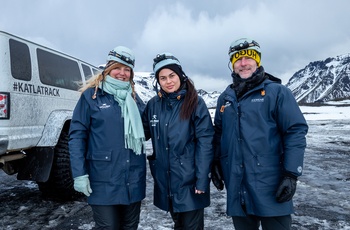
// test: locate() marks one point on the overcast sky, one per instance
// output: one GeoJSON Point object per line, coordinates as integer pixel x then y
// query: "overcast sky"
{"type": "Point", "coordinates": [198, 32]}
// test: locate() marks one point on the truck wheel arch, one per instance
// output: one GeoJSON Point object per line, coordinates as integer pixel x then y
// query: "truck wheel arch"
{"type": "Point", "coordinates": [54, 126]}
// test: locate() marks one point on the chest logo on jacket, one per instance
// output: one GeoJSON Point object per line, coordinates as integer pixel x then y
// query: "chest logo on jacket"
{"type": "Point", "coordinates": [224, 106]}
{"type": "Point", "coordinates": [254, 100]}
{"type": "Point", "coordinates": [104, 106]}
{"type": "Point", "coordinates": [154, 121]}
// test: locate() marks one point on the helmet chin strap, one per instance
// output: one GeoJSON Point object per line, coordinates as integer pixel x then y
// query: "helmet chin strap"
{"type": "Point", "coordinates": [229, 66]}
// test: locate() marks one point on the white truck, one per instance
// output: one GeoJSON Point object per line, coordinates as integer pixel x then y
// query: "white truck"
{"type": "Point", "coordinates": [38, 93]}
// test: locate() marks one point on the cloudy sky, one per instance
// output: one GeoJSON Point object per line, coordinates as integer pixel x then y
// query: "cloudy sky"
{"type": "Point", "coordinates": [291, 33]}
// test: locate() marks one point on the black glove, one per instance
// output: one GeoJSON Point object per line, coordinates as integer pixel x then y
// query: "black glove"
{"type": "Point", "coordinates": [216, 175]}
{"type": "Point", "coordinates": [286, 189]}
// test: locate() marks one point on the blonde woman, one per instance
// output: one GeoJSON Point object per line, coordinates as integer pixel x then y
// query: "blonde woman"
{"type": "Point", "coordinates": [105, 144]}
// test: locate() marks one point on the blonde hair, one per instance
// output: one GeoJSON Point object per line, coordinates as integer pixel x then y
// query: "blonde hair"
{"type": "Point", "coordinates": [95, 80]}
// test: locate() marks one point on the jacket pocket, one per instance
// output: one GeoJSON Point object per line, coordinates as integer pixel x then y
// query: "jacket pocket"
{"type": "Point", "coordinates": [187, 170]}
{"type": "Point", "coordinates": [159, 176]}
{"type": "Point", "coordinates": [225, 166]}
{"type": "Point", "coordinates": [268, 171]}
{"type": "Point", "coordinates": [188, 152]}
{"type": "Point", "coordinates": [152, 165]}
{"type": "Point", "coordinates": [99, 164]}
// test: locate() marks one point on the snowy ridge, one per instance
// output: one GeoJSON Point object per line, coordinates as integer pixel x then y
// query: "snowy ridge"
{"type": "Point", "coordinates": [144, 85]}
{"type": "Point", "coordinates": [322, 81]}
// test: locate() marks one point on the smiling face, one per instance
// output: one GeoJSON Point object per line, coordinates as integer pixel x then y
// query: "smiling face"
{"type": "Point", "coordinates": [245, 67]}
{"type": "Point", "coordinates": [121, 72]}
{"type": "Point", "coordinates": [169, 81]}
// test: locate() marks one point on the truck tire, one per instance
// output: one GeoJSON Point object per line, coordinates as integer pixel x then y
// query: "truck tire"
{"type": "Point", "coordinates": [60, 182]}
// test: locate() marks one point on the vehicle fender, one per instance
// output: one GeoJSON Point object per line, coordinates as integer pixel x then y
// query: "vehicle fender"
{"type": "Point", "coordinates": [53, 127]}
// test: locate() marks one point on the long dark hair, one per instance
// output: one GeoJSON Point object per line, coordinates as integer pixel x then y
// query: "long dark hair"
{"type": "Point", "coordinates": [190, 100]}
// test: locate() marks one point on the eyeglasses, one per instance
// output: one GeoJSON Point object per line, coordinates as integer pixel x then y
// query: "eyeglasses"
{"type": "Point", "coordinates": [243, 45]}
{"type": "Point", "coordinates": [161, 57]}
{"type": "Point", "coordinates": [122, 57]}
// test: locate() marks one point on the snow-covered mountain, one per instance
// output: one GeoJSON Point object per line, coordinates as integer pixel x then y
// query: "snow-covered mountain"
{"type": "Point", "coordinates": [144, 82]}
{"type": "Point", "coordinates": [210, 98]}
{"type": "Point", "coordinates": [144, 85]}
{"type": "Point", "coordinates": [322, 81]}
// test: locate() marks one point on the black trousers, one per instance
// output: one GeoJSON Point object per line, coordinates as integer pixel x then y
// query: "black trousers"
{"type": "Point", "coordinates": [267, 223]}
{"type": "Point", "coordinates": [117, 217]}
{"type": "Point", "coordinates": [192, 220]}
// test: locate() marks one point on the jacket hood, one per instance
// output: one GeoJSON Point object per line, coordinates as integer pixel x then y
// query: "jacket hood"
{"type": "Point", "coordinates": [273, 78]}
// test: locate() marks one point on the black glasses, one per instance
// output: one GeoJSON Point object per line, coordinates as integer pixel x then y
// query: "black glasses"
{"type": "Point", "coordinates": [122, 57]}
{"type": "Point", "coordinates": [243, 45]}
{"type": "Point", "coordinates": [161, 57]}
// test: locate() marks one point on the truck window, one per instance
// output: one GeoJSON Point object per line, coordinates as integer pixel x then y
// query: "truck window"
{"type": "Point", "coordinates": [87, 71]}
{"type": "Point", "coordinates": [21, 68]}
{"type": "Point", "coordinates": [58, 71]}
{"type": "Point", "coordinates": [96, 71]}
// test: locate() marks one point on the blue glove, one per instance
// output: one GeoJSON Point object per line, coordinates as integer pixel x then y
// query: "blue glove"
{"type": "Point", "coordinates": [82, 184]}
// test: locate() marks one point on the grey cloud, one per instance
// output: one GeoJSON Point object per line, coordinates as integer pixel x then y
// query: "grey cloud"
{"type": "Point", "coordinates": [291, 34]}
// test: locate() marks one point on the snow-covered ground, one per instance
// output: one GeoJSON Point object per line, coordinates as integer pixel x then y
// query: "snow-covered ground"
{"type": "Point", "coordinates": [322, 200]}
{"type": "Point", "coordinates": [331, 111]}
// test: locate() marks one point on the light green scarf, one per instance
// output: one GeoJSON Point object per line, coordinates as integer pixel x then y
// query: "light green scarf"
{"type": "Point", "coordinates": [133, 129]}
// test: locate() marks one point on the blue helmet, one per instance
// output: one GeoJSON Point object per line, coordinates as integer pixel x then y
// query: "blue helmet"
{"type": "Point", "coordinates": [122, 55]}
{"type": "Point", "coordinates": [164, 59]}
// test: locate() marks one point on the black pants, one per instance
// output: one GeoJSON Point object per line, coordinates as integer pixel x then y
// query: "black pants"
{"type": "Point", "coordinates": [117, 217]}
{"type": "Point", "coordinates": [267, 223]}
{"type": "Point", "coordinates": [192, 220]}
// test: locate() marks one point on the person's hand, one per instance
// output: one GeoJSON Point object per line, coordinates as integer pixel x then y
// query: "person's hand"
{"type": "Point", "coordinates": [198, 191]}
{"type": "Point", "coordinates": [286, 189]}
{"type": "Point", "coordinates": [216, 175]}
{"type": "Point", "coordinates": [82, 184]}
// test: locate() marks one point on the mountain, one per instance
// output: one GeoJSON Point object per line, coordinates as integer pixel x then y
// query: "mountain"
{"type": "Point", "coordinates": [322, 81]}
{"type": "Point", "coordinates": [144, 82]}
{"type": "Point", "coordinates": [144, 85]}
{"type": "Point", "coordinates": [210, 98]}
{"type": "Point", "coordinates": [319, 82]}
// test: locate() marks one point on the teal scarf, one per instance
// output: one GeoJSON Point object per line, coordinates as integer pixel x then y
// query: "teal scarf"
{"type": "Point", "coordinates": [133, 129]}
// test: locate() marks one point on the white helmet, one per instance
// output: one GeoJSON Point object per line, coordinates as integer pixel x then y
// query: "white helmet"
{"type": "Point", "coordinates": [122, 55]}
{"type": "Point", "coordinates": [243, 44]}
{"type": "Point", "coordinates": [164, 59]}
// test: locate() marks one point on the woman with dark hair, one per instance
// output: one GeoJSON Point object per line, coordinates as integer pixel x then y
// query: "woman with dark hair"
{"type": "Point", "coordinates": [179, 124]}
{"type": "Point", "coordinates": [106, 144]}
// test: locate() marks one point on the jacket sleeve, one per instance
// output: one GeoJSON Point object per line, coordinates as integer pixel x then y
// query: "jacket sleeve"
{"type": "Point", "coordinates": [145, 122]}
{"type": "Point", "coordinates": [218, 130]}
{"type": "Point", "coordinates": [204, 151]}
{"type": "Point", "coordinates": [293, 128]}
{"type": "Point", "coordinates": [78, 136]}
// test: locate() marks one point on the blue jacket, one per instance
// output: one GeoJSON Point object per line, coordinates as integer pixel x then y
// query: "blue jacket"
{"type": "Point", "coordinates": [97, 148]}
{"type": "Point", "coordinates": [257, 139]}
{"type": "Point", "coordinates": [182, 153]}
